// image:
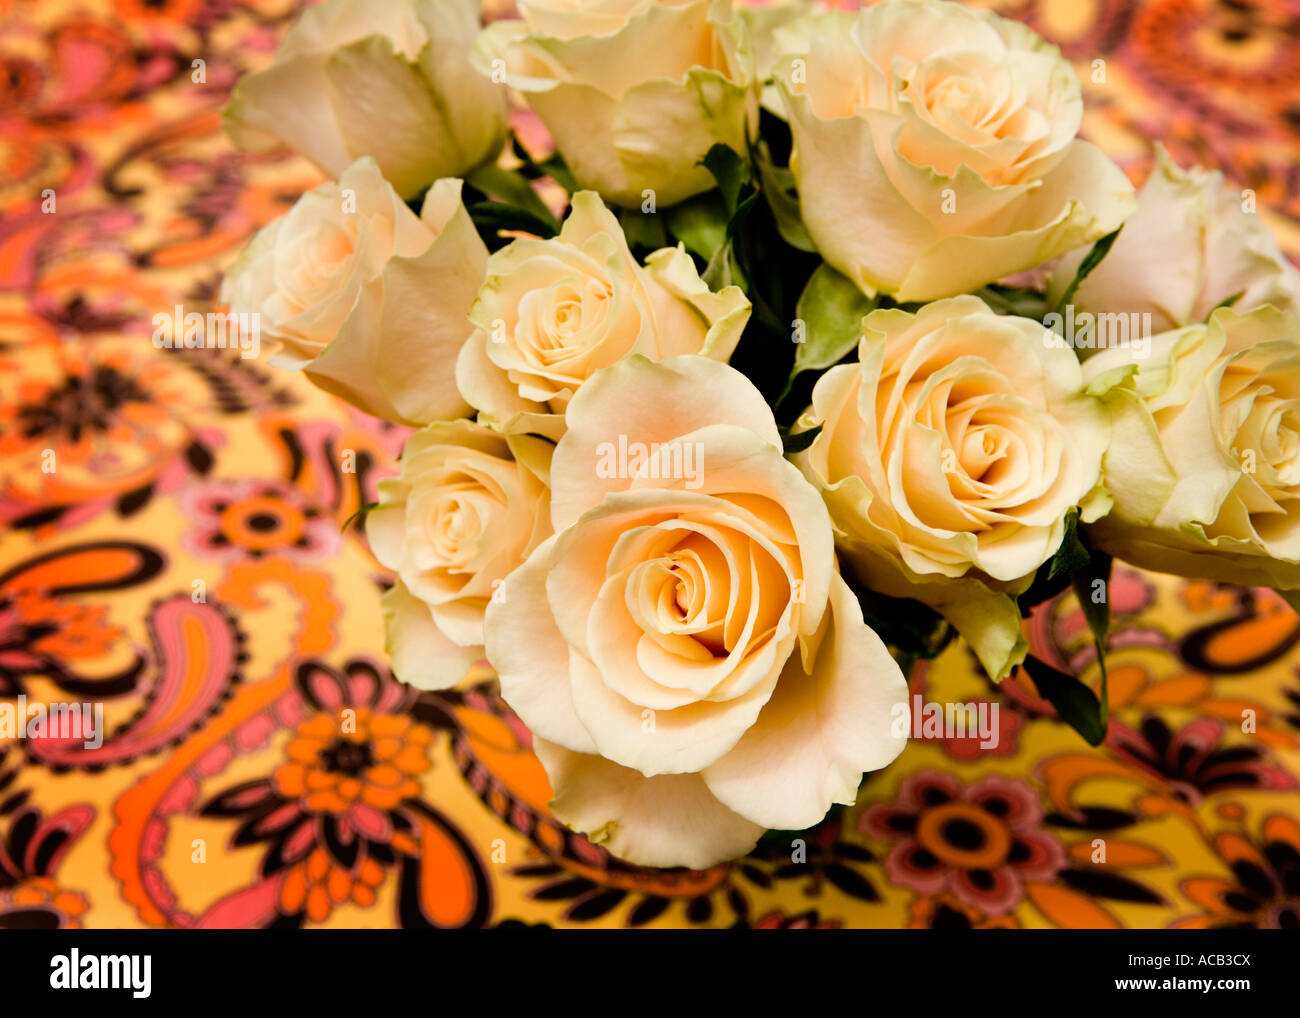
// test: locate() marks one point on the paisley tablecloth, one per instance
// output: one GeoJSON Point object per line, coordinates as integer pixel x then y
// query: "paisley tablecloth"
{"type": "Point", "coordinates": [174, 550]}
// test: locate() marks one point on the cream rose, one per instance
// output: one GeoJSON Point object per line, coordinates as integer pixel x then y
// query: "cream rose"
{"type": "Point", "coordinates": [784, 29]}
{"type": "Point", "coordinates": [949, 457]}
{"type": "Point", "coordinates": [466, 508]}
{"type": "Point", "coordinates": [690, 662]}
{"type": "Point", "coordinates": [1190, 246]}
{"type": "Point", "coordinates": [634, 92]}
{"type": "Point", "coordinates": [365, 296]}
{"type": "Point", "coordinates": [935, 149]}
{"type": "Point", "coordinates": [1204, 464]}
{"type": "Point", "coordinates": [553, 312]}
{"type": "Point", "coordinates": [389, 80]}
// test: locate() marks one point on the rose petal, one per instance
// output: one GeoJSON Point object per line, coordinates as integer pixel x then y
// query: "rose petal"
{"type": "Point", "coordinates": [668, 820]}
{"type": "Point", "coordinates": [530, 657]}
{"type": "Point", "coordinates": [819, 732]}
{"type": "Point", "coordinates": [421, 655]}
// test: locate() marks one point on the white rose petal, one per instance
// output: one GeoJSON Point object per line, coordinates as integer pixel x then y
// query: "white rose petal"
{"type": "Point", "coordinates": [1204, 465]}
{"type": "Point", "coordinates": [369, 299]}
{"type": "Point", "coordinates": [949, 457]}
{"type": "Point", "coordinates": [634, 94]}
{"type": "Point", "coordinates": [390, 81]}
{"type": "Point", "coordinates": [461, 515]}
{"type": "Point", "coordinates": [935, 149]}
{"type": "Point", "coordinates": [688, 631]}
{"type": "Point", "coordinates": [1190, 246]}
{"type": "Point", "coordinates": [551, 313]}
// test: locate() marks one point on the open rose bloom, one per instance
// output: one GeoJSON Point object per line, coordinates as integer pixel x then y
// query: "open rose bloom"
{"type": "Point", "coordinates": [724, 408]}
{"type": "Point", "coordinates": [936, 150]}
{"type": "Point", "coordinates": [689, 652]}
{"type": "Point", "coordinates": [949, 455]}
{"type": "Point", "coordinates": [1205, 459]}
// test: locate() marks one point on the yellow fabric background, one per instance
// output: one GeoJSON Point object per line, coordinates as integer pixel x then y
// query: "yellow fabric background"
{"type": "Point", "coordinates": [180, 473]}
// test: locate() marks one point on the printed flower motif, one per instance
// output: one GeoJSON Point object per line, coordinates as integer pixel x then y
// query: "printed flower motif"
{"type": "Point", "coordinates": [935, 148]}
{"type": "Point", "coordinates": [319, 884]}
{"type": "Point", "coordinates": [345, 805]}
{"type": "Point", "coordinates": [245, 518]}
{"type": "Point", "coordinates": [553, 312]}
{"type": "Point", "coordinates": [1264, 892]}
{"type": "Point", "coordinates": [40, 904]}
{"type": "Point", "coordinates": [32, 847]}
{"type": "Point", "coordinates": [48, 629]}
{"type": "Point", "coordinates": [105, 401]}
{"type": "Point", "coordinates": [980, 842]}
{"type": "Point", "coordinates": [37, 631]}
{"type": "Point", "coordinates": [1194, 760]}
{"type": "Point", "coordinates": [360, 760]}
{"type": "Point", "coordinates": [109, 430]}
{"type": "Point", "coordinates": [948, 912]}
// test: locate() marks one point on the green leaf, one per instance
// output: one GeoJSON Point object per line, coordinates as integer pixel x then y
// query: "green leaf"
{"type": "Point", "coordinates": [831, 309]}
{"type": "Point", "coordinates": [1022, 301]}
{"type": "Point", "coordinates": [1084, 579]}
{"type": "Point", "coordinates": [558, 170]}
{"type": "Point", "coordinates": [552, 166]}
{"type": "Point", "coordinates": [700, 223]}
{"type": "Point", "coordinates": [1090, 261]}
{"type": "Point", "coordinates": [731, 171]}
{"type": "Point", "coordinates": [512, 188]}
{"type": "Point", "coordinates": [644, 230]}
{"type": "Point", "coordinates": [742, 212]}
{"type": "Point", "coordinates": [724, 269]}
{"type": "Point", "coordinates": [1227, 302]}
{"type": "Point", "coordinates": [491, 217]}
{"type": "Point", "coordinates": [914, 630]}
{"type": "Point", "coordinates": [1072, 553]}
{"type": "Point", "coordinates": [799, 441]}
{"type": "Point", "coordinates": [778, 187]}
{"type": "Point", "coordinates": [361, 511]}
{"type": "Point", "coordinates": [1074, 701]}
{"type": "Point", "coordinates": [1054, 575]}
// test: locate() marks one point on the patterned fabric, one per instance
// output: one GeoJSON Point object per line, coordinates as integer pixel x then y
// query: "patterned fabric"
{"type": "Point", "coordinates": [175, 550]}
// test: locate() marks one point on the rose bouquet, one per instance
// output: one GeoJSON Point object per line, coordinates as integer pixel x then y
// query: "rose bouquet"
{"type": "Point", "coordinates": [814, 344]}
